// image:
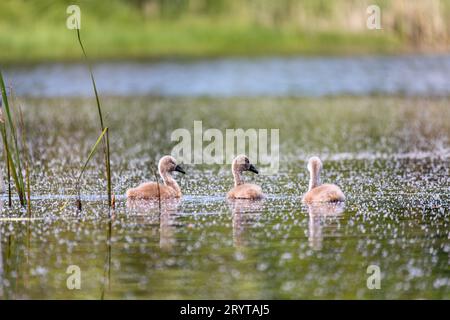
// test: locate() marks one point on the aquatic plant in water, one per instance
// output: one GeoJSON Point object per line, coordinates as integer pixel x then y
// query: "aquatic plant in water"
{"type": "Point", "coordinates": [14, 156]}
{"type": "Point", "coordinates": [104, 136]}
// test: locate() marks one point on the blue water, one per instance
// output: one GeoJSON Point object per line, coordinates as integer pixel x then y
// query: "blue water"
{"type": "Point", "coordinates": [425, 75]}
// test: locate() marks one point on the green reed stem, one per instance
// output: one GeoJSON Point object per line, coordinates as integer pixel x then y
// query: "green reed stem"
{"type": "Point", "coordinates": [105, 141]}
{"type": "Point", "coordinates": [91, 153]}
{"type": "Point", "coordinates": [27, 161]}
{"type": "Point", "coordinates": [8, 170]}
{"type": "Point", "coordinates": [159, 190]}
{"type": "Point", "coordinates": [13, 164]}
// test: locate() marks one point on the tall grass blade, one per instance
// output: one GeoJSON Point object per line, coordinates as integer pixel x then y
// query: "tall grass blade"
{"type": "Point", "coordinates": [5, 156]}
{"type": "Point", "coordinates": [8, 171]}
{"type": "Point", "coordinates": [91, 153]}
{"type": "Point", "coordinates": [13, 132]}
{"type": "Point", "coordinates": [27, 161]}
{"type": "Point", "coordinates": [14, 166]}
{"type": "Point", "coordinates": [159, 190]}
{"type": "Point", "coordinates": [99, 109]}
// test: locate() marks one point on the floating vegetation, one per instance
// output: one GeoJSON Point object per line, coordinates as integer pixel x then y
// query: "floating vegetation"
{"type": "Point", "coordinates": [202, 246]}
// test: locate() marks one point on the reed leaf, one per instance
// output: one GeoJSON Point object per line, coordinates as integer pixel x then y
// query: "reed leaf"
{"type": "Point", "coordinates": [105, 141]}
{"type": "Point", "coordinates": [8, 172]}
{"type": "Point", "coordinates": [91, 153]}
{"type": "Point", "coordinates": [13, 165]}
{"type": "Point", "coordinates": [12, 127]}
{"type": "Point", "coordinates": [159, 190]}
{"type": "Point", "coordinates": [26, 160]}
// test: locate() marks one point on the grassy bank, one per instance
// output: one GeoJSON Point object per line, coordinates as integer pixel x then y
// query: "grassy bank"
{"type": "Point", "coordinates": [145, 29]}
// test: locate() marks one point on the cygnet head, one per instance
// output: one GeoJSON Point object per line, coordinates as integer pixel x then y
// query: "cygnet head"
{"type": "Point", "coordinates": [314, 165]}
{"type": "Point", "coordinates": [169, 164]}
{"type": "Point", "coordinates": [242, 163]}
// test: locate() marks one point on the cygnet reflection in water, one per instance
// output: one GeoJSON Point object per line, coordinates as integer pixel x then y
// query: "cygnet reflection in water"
{"type": "Point", "coordinates": [153, 212]}
{"type": "Point", "coordinates": [322, 215]}
{"type": "Point", "coordinates": [245, 213]}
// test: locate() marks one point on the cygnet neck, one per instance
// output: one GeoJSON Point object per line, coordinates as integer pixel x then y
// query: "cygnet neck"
{"type": "Point", "coordinates": [237, 174]}
{"type": "Point", "coordinates": [169, 180]}
{"type": "Point", "coordinates": [314, 178]}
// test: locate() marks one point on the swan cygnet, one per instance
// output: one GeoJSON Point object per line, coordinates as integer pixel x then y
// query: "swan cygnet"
{"type": "Point", "coordinates": [320, 192]}
{"type": "Point", "coordinates": [243, 190]}
{"type": "Point", "coordinates": [169, 189]}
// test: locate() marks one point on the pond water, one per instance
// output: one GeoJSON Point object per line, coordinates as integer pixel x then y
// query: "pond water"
{"type": "Point", "coordinates": [391, 157]}
{"type": "Point", "coordinates": [296, 76]}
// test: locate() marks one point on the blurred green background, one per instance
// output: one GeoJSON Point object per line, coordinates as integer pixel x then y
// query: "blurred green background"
{"type": "Point", "coordinates": [35, 30]}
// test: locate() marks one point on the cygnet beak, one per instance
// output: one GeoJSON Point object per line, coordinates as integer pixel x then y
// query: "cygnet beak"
{"type": "Point", "coordinates": [180, 169]}
{"type": "Point", "coordinates": [252, 168]}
